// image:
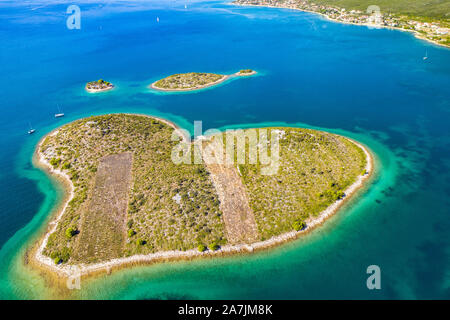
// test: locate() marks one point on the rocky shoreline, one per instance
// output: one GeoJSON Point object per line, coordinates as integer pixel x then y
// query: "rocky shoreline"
{"type": "Point", "coordinates": [68, 271]}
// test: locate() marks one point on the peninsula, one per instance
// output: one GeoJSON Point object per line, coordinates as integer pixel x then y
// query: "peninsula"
{"type": "Point", "coordinates": [99, 86]}
{"type": "Point", "coordinates": [428, 21]}
{"type": "Point", "coordinates": [131, 203]}
{"type": "Point", "coordinates": [195, 80]}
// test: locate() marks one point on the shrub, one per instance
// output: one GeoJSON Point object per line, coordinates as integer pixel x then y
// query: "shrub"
{"type": "Point", "coordinates": [140, 242]}
{"type": "Point", "coordinates": [333, 194]}
{"type": "Point", "coordinates": [130, 223]}
{"type": "Point", "coordinates": [55, 162]}
{"type": "Point", "coordinates": [299, 225]}
{"type": "Point", "coordinates": [65, 254]}
{"type": "Point", "coordinates": [66, 165]}
{"type": "Point", "coordinates": [339, 195]}
{"type": "Point", "coordinates": [201, 248]}
{"type": "Point", "coordinates": [200, 171]}
{"type": "Point", "coordinates": [71, 231]}
{"type": "Point", "coordinates": [74, 175]}
{"type": "Point", "coordinates": [214, 246]}
{"type": "Point", "coordinates": [131, 233]}
{"type": "Point", "coordinates": [61, 256]}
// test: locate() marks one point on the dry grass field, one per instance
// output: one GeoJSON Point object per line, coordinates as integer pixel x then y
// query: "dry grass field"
{"type": "Point", "coordinates": [240, 224]}
{"type": "Point", "coordinates": [186, 81]}
{"type": "Point", "coordinates": [131, 198]}
{"type": "Point", "coordinates": [168, 206]}
{"type": "Point", "coordinates": [315, 169]}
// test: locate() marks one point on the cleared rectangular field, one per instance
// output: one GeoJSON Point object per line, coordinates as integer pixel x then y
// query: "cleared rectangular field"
{"type": "Point", "coordinates": [103, 222]}
{"type": "Point", "coordinates": [240, 224]}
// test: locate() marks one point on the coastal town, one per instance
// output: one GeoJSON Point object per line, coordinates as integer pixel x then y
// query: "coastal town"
{"type": "Point", "coordinates": [436, 31]}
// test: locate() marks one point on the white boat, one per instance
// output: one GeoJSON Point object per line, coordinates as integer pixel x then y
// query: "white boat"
{"type": "Point", "coordinates": [31, 131]}
{"type": "Point", "coordinates": [157, 19]}
{"type": "Point", "coordinates": [59, 114]}
{"type": "Point", "coordinates": [426, 55]}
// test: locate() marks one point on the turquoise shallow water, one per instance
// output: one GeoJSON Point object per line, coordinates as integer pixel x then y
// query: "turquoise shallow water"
{"type": "Point", "coordinates": [371, 85]}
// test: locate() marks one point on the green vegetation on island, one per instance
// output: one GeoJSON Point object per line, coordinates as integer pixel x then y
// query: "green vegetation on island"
{"type": "Point", "coordinates": [195, 80]}
{"type": "Point", "coordinates": [99, 85]}
{"type": "Point", "coordinates": [314, 170]}
{"type": "Point", "coordinates": [130, 198]}
{"type": "Point", "coordinates": [188, 81]}
{"type": "Point", "coordinates": [246, 71]}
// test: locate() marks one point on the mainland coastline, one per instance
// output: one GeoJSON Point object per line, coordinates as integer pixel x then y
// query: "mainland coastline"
{"type": "Point", "coordinates": [422, 30]}
{"type": "Point", "coordinates": [65, 271]}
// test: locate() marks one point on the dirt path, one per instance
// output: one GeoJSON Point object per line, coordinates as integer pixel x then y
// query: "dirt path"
{"type": "Point", "coordinates": [240, 224]}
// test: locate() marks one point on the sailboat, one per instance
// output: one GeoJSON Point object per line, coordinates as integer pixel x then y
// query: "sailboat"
{"type": "Point", "coordinates": [59, 114]}
{"type": "Point", "coordinates": [157, 19]}
{"type": "Point", "coordinates": [426, 55]}
{"type": "Point", "coordinates": [31, 131]}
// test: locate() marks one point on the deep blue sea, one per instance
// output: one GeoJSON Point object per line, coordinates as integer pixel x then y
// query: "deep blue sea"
{"type": "Point", "coordinates": [369, 84]}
